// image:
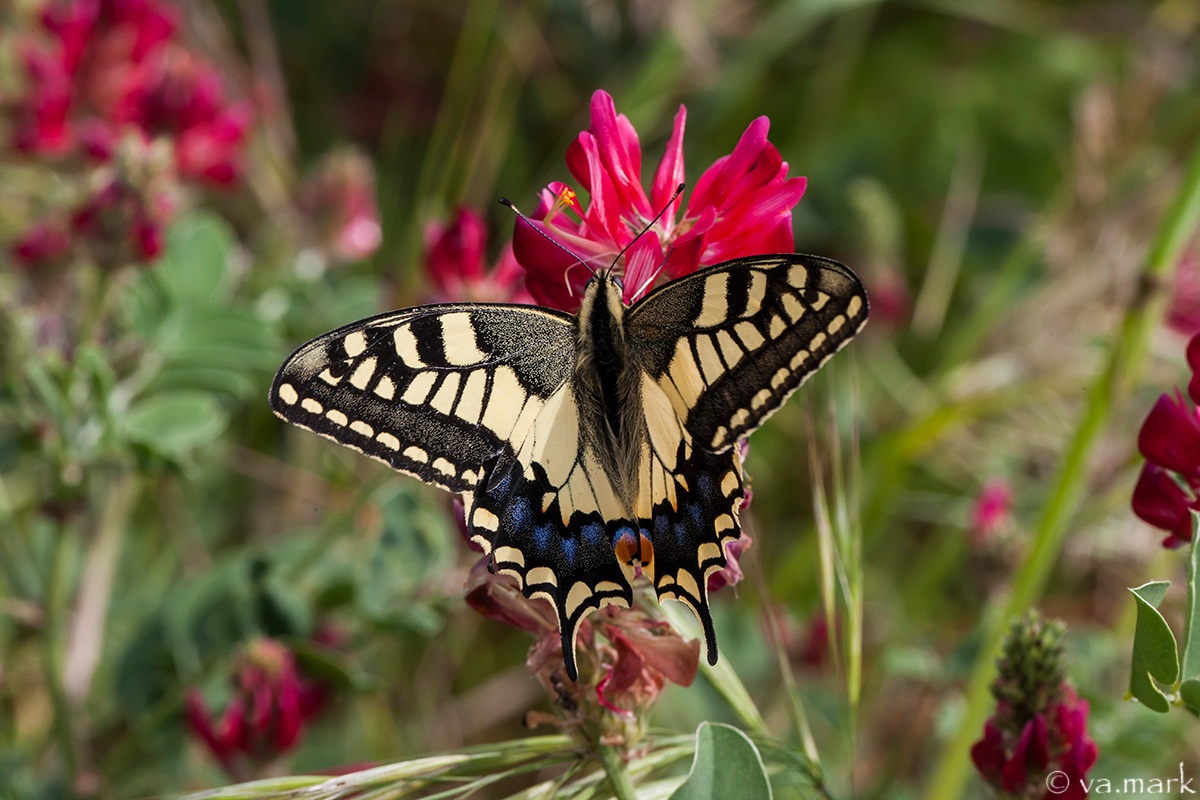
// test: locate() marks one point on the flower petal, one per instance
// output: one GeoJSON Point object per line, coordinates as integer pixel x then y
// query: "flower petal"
{"type": "Point", "coordinates": [1170, 436]}
{"type": "Point", "coordinates": [620, 154]}
{"type": "Point", "coordinates": [643, 263]}
{"type": "Point", "coordinates": [988, 753]}
{"type": "Point", "coordinates": [670, 174]}
{"type": "Point", "coordinates": [1159, 500]}
{"type": "Point", "coordinates": [1032, 751]}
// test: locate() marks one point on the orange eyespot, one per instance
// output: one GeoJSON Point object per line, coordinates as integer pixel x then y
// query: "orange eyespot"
{"type": "Point", "coordinates": [631, 551]}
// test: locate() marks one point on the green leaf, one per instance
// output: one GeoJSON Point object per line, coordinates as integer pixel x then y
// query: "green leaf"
{"type": "Point", "coordinates": [173, 422]}
{"type": "Point", "coordinates": [194, 267]}
{"type": "Point", "coordinates": [1154, 650]}
{"type": "Point", "coordinates": [727, 764]}
{"type": "Point", "coordinates": [1190, 667]}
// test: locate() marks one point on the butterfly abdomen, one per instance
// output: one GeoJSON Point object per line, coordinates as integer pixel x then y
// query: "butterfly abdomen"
{"type": "Point", "coordinates": [607, 388]}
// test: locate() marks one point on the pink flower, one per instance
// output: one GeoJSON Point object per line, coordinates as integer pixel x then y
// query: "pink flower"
{"type": "Point", "coordinates": [454, 262]}
{"type": "Point", "coordinates": [109, 81]}
{"type": "Point", "coordinates": [72, 22]}
{"type": "Point", "coordinates": [1054, 741]}
{"type": "Point", "coordinates": [992, 509]}
{"type": "Point", "coordinates": [1170, 436]}
{"type": "Point", "coordinates": [211, 151]}
{"type": "Point", "coordinates": [267, 714]}
{"type": "Point", "coordinates": [1161, 501]}
{"type": "Point", "coordinates": [339, 200]}
{"type": "Point", "coordinates": [1183, 313]}
{"type": "Point", "coordinates": [1040, 724]}
{"type": "Point", "coordinates": [891, 300]}
{"type": "Point", "coordinates": [740, 206]}
{"type": "Point", "coordinates": [113, 64]}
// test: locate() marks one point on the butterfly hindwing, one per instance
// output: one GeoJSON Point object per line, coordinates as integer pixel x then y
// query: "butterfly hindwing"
{"type": "Point", "coordinates": [434, 391]}
{"type": "Point", "coordinates": [554, 531]}
{"type": "Point", "coordinates": [689, 528]}
{"type": "Point", "coordinates": [730, 343]}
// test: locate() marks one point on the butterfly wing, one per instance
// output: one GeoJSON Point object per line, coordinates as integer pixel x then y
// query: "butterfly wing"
{"type": "Point", "coordinates": [476, 399]}
{"type": "Point", "coordinates": [721, 350]}
{"type": "Point", "coordinates": [729, 344]}
{"type": "Point", "coordinates": [435, 391]}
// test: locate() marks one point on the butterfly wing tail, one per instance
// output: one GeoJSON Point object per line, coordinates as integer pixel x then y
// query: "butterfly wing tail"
{"type": "Point", "coordinates": [689, 535]}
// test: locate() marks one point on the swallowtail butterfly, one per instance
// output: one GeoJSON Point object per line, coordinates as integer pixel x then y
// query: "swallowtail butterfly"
{"type": "Point", "coordinates": [585, 445]}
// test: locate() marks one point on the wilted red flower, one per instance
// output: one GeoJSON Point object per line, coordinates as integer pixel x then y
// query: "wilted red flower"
{"type": "Point", "coordinates": [625, 657]}
{"type": "Point", "coordinates": [991, 509]}
{"type": "Point", "coordinates": [454, 262]}
{"type": "Point", "coordinates": [266, 716]}
{"type": "Point", "coordinates": [1168, 488]}
{"type": "Point", "coordinates": [339, 200]}
{"type": "Point", "coordinates": [1040, 724]}
{"type": "Point", "coordinates": [740, 206]}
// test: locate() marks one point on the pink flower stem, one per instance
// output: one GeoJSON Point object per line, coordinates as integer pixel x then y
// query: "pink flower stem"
{"type": "Point", "coordinates": [1125, 360]}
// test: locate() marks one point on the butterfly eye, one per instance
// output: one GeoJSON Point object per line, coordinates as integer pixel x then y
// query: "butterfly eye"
{"type": "Point", "coordinates": [619, 282]}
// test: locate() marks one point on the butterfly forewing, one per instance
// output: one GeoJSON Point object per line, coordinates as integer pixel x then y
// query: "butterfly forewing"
{"type": "Point", "coordinates": [729, 344]}
{"type": "Point", "coordinates": [436, 391]}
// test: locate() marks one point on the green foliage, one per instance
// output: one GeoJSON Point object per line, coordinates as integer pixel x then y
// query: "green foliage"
{"type": "Point", "coordinates": [1155, 652]}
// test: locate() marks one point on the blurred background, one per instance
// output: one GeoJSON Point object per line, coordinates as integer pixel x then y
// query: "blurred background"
{"type": "Point", "coordinates": [193, 593]}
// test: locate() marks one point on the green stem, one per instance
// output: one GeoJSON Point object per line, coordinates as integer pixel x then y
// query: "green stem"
{"type": "Point", "coordinates": [618, 776]}
{"type": "Point", "coordinates": [1114, 381]}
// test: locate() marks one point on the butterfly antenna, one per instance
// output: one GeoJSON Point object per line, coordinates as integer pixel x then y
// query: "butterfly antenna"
{"type": "Point", "coordinates": [649, 225]}
{"type": "Point", "coordinates": [504, 201]}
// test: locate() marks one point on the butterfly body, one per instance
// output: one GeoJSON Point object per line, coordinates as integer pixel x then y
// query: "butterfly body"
{"type": "Point", "coordinates": [585, 447]}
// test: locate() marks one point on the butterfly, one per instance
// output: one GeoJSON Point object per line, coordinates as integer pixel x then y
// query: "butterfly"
{"type": "Point", "coordinates": [585, 447]}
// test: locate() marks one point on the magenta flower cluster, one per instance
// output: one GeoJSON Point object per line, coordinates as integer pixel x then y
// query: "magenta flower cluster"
{"type": "Point", "coordinates": [107, 76]}
{"type": "Point", "coordinates": [1168, 488]}
{"type": "Point", "coordinates": [740, 206]}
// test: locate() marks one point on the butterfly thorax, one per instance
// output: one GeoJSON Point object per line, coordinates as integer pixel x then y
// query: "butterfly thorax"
{"type": "Point", "coordinates": [606, 385]}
